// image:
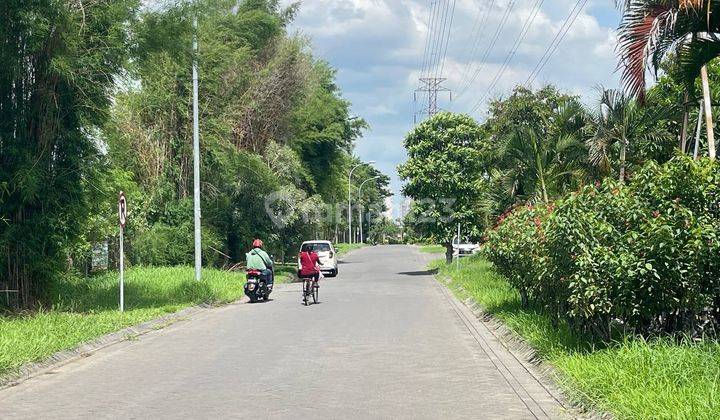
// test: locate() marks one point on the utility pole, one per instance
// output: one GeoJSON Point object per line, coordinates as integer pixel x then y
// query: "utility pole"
{"type": "Point", "coordinates": [432, 86]}
{"type": "Point", "coordinates": [360, 209]}
{"type": "Point", "coordinates": [350, 232]}
{"type": "Point", "coordinates": [196, 157]}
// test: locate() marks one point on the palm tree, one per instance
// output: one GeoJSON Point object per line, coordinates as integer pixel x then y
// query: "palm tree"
{"type": "Point", "coordinates": [539, 165]}
{"type": "Point", "coordinates": [618, 121]}
{"type": "Point", "coordinates": [651, 30]}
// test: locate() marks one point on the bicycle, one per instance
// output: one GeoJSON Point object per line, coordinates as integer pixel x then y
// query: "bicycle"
{"type": "Point", "coordinates": [310, 289]}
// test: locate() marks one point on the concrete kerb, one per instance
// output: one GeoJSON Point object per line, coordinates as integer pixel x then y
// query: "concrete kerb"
{"type": "Point", "coordinates": [544, 372]}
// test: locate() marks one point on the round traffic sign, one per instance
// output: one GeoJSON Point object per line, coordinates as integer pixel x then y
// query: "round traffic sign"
{"type": "Point", "coordinates": [122, 209]}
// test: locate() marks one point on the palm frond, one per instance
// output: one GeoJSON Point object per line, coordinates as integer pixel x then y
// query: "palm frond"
{"type": "Point", "coordinates": [651, 29]}
{"type": "Point", "coordinates": [641, 31]}
{"type": "Point", "coordinates": [693, 53]}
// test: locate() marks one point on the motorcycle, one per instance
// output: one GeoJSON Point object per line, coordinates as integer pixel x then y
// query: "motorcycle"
{"type": "Point", "coordinates": [256, 288]}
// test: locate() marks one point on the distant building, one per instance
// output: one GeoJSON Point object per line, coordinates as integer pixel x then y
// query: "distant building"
{"type": "Point", "coordinates": [405, 207]}
{"type": "Point", "coordinates": [389, 205]}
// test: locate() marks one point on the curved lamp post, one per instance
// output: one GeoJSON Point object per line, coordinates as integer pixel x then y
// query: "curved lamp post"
{"type": "Point", "coordinates": [360, 209]}
{"type": "Point", "coordinates": [350, 198]}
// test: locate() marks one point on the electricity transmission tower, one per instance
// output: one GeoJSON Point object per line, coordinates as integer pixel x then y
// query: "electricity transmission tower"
{"type": "Point", "coordinates": [432, 86]}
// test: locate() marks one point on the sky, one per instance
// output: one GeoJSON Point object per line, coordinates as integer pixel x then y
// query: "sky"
{"type": "Point", "coordinates": [378, 48]}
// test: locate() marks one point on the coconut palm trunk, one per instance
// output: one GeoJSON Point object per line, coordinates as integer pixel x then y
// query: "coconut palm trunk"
{"type": "Point", "coordinates": [708, 111]}
{"type": "Point", "coordinates": [685, 123]}
{"type": "Point", "coordinates": [623, 159]}
{"type": "Point", "coordinates": [541, 176]}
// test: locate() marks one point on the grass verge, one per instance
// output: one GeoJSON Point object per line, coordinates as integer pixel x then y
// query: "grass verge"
{"type": "Point", "coordinates": [285, 273]}
{"type": "Point", "coordinates": [432, 249]}
{"type": "Point", "coordinates": [345, 248]}
{"type": "Point", "coordinates": [86, 308]}
{"type": "Point", "coordinates": [633, 379]}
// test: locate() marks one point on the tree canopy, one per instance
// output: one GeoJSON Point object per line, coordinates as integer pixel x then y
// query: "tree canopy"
{"type": "Point", "coordinates": [444, 174]}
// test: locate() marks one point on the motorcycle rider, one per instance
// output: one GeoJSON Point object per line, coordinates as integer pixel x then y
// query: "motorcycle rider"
{"type": "Point", "coordinates": [258, 259]}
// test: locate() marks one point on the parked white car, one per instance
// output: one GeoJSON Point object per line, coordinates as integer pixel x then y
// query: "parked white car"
{"type": "Point", "coordinates": [465, 248]}
{"type": "Point", "coordinates": [327, 254]}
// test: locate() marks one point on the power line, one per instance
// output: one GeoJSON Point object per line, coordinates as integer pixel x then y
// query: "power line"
{"type": "Point", "coordinates": [474, 40]}
{"type": "Point", "coordinates": [513, 50]}
{"type": "Point", "coordinates": [559, 37]}
{"type": "Point", "coordinates": [438, 41]}
{"type": "Point", "coordinates": [447, 38]}
{"type": "Point", "coordinates": [431, 26]}
{"type": "Point", "coordinates": [434, 13]}
{"type": "Point", "coordinates": [490, 47]}
{"type": "Point", "coordinates": [433, 38]}
{"type": "Point", "coordinates": [437, 44]}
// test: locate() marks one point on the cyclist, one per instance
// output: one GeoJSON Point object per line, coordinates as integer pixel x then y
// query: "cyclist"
{"type": "Point", "coordinates": [258, 259]}
{"type": "Point", "coordinates": [309, 264]}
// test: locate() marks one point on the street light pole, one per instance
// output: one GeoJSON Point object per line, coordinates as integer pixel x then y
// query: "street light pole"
{"type": "Point", "coordinates": [350, 234]}
{"type": "Point", "coordinates": [360, 207]}
{"type": "Point", "coordinates": [196, 157]}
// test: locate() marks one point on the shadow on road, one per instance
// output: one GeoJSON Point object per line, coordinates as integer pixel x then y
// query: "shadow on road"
{"type": "Point", "coordinates": [419, 273]}
{"type": "Point", "coordinates": [259, 302]}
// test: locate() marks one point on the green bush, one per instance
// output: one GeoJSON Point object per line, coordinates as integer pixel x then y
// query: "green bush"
{"type": "Point", "coordinates": [516, 247]}
{"type": "Point", "coordinates": [643, 256]}
{"type": "Point", "coordinates": [590, 241]}
{"type": "Point", "coordinates": [165, 245]}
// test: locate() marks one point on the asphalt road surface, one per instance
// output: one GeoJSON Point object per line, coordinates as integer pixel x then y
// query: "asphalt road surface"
{"type": "Point", "coordinates": [386, 341]}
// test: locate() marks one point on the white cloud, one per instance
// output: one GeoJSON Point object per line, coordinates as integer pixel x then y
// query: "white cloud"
{"type": "Point", "coordinates": [378, 48]}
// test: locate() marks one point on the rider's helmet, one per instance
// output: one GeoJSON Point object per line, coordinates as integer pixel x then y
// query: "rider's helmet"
{"type": "Point", "coordinates": [257, 243]}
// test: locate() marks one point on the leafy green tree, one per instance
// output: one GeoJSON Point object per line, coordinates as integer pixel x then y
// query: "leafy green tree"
{"type": "Point", "coordinates": [526, 109]}
{"type": "Point", "coordinates": [384, 231]}
{"type": "Point", "coordinates": [60, 60]}
{"type": "Point", "coordinates": [444, 175]}
{"type": "Point", "coordinates": [272, 120]}
{"type": "Point", "coordinates": [325, 132]}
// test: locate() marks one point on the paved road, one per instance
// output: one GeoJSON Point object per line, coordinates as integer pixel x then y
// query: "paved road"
{"type": "Point", "coordinates": [386, 341]}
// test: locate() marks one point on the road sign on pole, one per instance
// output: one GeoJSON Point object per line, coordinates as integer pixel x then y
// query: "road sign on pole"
{"type": "Point", "coordinates": [122, 213]}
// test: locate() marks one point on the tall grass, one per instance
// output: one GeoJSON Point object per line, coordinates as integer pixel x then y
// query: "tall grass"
{"type": "Point", "coordinates": [633, 379]}
{"type": "Point", "coordinates": [86, 308]}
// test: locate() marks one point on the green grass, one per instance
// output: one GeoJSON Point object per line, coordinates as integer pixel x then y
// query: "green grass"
{"type": "Point", "coordinates": [432, 249]}
{"type": "Point", "coordinates": [345, 248]}
{"type": "Point", "coordinates": [285, 273]}
{"type": "Point", "coordinates": [86, 308]}
{"type": "Point", "coordinates": [633, 379]}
